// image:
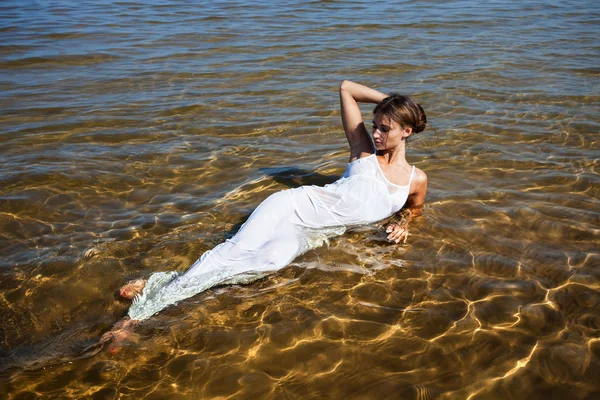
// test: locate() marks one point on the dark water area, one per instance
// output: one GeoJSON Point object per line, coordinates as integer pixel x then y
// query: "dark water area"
{"type": "Point", "coordinates": [136, 136]}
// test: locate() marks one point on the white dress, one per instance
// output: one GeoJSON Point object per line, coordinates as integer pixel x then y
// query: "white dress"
{"type": "Point", "coordinates": [285, 225]}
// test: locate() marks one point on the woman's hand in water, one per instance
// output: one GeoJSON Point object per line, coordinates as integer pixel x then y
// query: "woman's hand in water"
{"type": "Point", "coordinates": [397, 232]}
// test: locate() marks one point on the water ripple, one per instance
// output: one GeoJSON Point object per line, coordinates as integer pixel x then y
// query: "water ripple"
{"type": "Point", "coordinates": [134, 137]}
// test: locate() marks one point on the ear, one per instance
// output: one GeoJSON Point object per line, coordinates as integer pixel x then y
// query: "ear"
{"type": "Point", "coordinates": [406, 132]}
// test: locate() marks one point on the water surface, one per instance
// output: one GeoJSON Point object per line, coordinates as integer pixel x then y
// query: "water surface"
{"type": "Point", "coordinates": [147, 133]}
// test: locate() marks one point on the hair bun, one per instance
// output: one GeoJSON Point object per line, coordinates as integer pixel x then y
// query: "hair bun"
{"type": "Point", "coordinates": [404, 111]}
{"type": "Point", "coordinates": [421, 120]}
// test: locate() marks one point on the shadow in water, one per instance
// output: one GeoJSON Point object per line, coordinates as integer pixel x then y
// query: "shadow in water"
{"type": "Point", "coordinates": [294, 177]}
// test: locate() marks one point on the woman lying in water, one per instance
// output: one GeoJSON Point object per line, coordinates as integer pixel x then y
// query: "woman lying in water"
{"type": "Point", "coordinates": [378, 183]}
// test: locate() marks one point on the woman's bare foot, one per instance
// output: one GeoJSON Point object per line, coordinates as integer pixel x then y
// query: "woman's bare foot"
{"type": "Point", "coordinates": [132, 288]}
{"type": "Point", "coordinates": [120, 335]}
{"type": "Point", "coordinates": [114, 340]}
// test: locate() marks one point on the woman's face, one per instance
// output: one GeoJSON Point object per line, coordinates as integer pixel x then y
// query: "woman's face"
{"type": "Point", "coordinates": [387, 133]}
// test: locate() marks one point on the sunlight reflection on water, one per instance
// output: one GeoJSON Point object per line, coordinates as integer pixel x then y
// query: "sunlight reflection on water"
{"type": "Point", "coordinates": [146, 133]}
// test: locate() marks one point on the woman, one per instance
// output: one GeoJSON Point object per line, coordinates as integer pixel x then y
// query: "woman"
{"type": "Point", "coordinates": [378, 182]}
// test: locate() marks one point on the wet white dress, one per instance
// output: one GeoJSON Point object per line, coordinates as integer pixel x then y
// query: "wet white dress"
{"type": "Point", "coordinates": [285, 225]}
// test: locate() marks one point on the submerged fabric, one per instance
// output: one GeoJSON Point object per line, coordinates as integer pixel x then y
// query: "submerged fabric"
{"type": "Point", "coordinates": [285, 225]}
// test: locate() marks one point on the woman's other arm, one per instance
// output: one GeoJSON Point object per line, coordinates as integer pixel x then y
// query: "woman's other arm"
{"type": "Point", "coordinates": [398, 231]}
{"type": "Point", "coordinates": [350, 95]}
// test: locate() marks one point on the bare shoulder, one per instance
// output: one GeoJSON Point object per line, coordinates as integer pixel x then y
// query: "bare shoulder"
{"type": "Point", "coordinates": [418, 188]}
{"type": "Point", "coordinates": [420, 177]}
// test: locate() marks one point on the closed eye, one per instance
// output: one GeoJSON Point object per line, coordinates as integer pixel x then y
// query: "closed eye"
{"type": "Point", "coordinates": [382, 128]}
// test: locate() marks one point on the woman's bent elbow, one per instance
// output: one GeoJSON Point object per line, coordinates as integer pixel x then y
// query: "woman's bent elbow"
{"type": "Point", "coordinates": [344, 85]}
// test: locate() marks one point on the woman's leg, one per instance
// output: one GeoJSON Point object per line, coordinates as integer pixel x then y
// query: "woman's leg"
{"type": "Point", "coordinates": [267, 241]}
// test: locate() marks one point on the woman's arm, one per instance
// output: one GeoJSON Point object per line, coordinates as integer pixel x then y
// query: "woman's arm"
{"type": "Point", "coordinates": [398, 231]}
{"type": "Point", "coordinates": [350, 94]}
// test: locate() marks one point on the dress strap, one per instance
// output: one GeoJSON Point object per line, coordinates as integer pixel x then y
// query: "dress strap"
{"type": "Point", "coordinates": [411, 176]}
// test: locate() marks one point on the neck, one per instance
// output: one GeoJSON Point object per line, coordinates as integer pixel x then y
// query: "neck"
{"type": "Point", "coordinates": [396, 155]}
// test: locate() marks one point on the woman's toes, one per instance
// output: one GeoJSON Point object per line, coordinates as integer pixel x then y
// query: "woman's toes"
{"type": "Point", "coordinates": [122, 338]}
{"type": "Point", "coordinates": [107, 337]}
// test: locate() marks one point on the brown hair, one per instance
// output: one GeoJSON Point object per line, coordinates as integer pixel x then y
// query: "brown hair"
{"type": "Point", "coordinates": [404, 111]}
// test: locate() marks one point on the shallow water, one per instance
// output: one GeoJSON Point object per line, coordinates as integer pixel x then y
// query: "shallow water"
{"type": "Point", "coordinates": [146, 133]}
